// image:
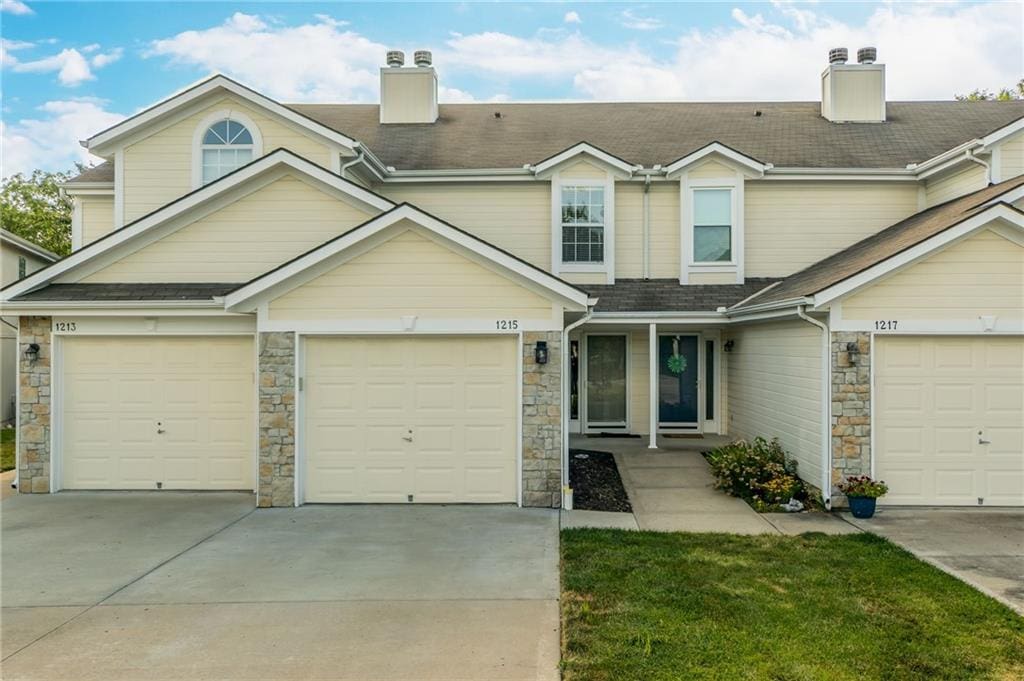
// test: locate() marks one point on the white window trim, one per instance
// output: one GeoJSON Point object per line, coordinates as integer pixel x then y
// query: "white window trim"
{"type": "Point", "coordinates": [608, 266]}
{"type": "Point", "coordinates": [204, 125]}
{"type": "Point", "coordinates": [687, 186]}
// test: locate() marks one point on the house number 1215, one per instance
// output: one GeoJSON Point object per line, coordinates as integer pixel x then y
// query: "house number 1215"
{"type": "Point", "coordinates": [507, 324]}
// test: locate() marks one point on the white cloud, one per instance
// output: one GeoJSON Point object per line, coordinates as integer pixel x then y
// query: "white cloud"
{"type": "Point", "coordinates": [15, 7]}
{"type": "Point", "coordinates": [71, 67]}
{"type": "Point", "coordinates": [15, 44]}
{"type": "Point", "coordinates": [50, 141]}
{"type": "Point", "coordinates": [631, 19]}
{"type": "Point", "coordinates": [320, 61]}
{"type": "Point", "coordinates": [573, 17]}
{"type": "Point", "coordinates": [105, 58]}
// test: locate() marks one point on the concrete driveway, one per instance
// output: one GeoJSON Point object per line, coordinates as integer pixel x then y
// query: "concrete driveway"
{"type": "Point", "coordinates": [201, 586]}
{"type": "Point", "coordinates": [983, 547]}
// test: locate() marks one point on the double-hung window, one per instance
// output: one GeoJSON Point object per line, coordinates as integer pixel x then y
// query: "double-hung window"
{"type": "Point", "coordinates": [583, 224]}
{"type": "Point", "coordinates": [712, 225]}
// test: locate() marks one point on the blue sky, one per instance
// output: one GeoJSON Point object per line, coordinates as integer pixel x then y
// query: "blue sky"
{"type": "Point", "coordinates": [70, 69]}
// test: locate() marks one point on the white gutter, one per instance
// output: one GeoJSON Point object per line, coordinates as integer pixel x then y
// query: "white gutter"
{"type": "Point", "coordinates": [983, 164]}
{"type": "Point", "coordinates": [565, 404]}
{"type": "Point", "coordinates": [647, 227]}
{"type": "Point", "coordinates": [826, 405]}
{"type": "Point", "coordinates": [360, 157]}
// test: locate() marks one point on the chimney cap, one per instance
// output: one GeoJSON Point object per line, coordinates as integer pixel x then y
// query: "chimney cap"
{"type": "Point", "coordinates": [838, 55]}
{"type": "Point", "coordinates": [395, 58]}
{"type": "Point", "coordinates": [422, 58]}
{"type": "Point", "coordinates": [867, 55]}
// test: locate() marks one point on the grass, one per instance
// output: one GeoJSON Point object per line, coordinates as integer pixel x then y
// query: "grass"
{"type": "Point", "coordinates": [6, 449]}
{"type": "Point", "coordinates": [650, 606]}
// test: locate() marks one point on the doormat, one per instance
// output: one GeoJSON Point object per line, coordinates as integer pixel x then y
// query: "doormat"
{"type": "Point", "coordinates": [683, 436]}
{"type": "Point", "coordinates": [612, 435]}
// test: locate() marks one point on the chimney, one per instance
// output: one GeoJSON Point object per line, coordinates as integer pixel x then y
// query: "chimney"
{"type": "Point", "coordinates": [408, 94]}
{"type": "Point", "coordinates": [853, 93]}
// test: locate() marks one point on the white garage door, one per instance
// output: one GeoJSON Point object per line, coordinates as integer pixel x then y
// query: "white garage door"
{"type": "Point", "coordinates": [949, 418]}
{"type": "Point", "coordinates": [424, 419]}
{"type": "Point", "coordinates": [148, 413]}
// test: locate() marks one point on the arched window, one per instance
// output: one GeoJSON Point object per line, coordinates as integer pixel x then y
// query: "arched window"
{"type": "Point", "coordinates": [226, 146]}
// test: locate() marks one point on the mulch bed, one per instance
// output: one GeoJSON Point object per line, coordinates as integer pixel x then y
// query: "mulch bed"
{"type": "Point", "coordinates": [596, 485]}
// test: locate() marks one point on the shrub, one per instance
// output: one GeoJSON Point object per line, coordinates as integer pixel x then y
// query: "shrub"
{"type": "Point", "coordinates": [863, 486]}
{"type": "Point", "coordinates": [759, 472]}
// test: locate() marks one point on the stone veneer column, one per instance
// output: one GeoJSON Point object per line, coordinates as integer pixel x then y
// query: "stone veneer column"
{"type": "Point", "coordinates": [851, 406]}
{"type": "Point", "coordinates": [34, 406]}
{"type": "Point", "coordinates": [542, 422]}
{"type": "Point", "coordinates": [277, 419]}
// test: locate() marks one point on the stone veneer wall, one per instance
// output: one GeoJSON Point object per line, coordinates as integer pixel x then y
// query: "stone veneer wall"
{"type": "Point", "coordinates": [34, 406]}
{"type": "Point", "coordinates": [277, 419]}
{"type": "Point", "coordinates": [542, 422]}
{"type": "Point", "coordinates": [851, 406]}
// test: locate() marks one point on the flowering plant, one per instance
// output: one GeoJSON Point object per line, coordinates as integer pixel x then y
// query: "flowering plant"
{"type": "Point", "coordinates": [863, 486]}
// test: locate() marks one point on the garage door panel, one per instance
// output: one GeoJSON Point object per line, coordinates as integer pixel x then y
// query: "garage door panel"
{"type": "Point", "coordinates": [935, 398]}
{"type": "Point", "coordinates": [416, 413]}
{"type": "Point", "coordinates": [119, 391]}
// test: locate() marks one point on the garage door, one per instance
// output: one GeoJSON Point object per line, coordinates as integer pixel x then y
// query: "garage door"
{"type": "Point", "coordinates": [949, 417]}
{"type": "Point", "coordinates": [424, 419]}
{"type": "Point", "coordinates": [148, 413]}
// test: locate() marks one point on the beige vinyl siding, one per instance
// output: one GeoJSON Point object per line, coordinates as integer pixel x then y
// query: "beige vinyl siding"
{"type": "Point", "coordinates": [1012, 153]}
{"type": "Point", "coordinates": [664, 226]}
{"type": "Point", "coordinates": [245, 239]}
{"type": "Point", "coordinates": [639, 375]}
{"type": "Point", "coordinates": [711, 170]}
{"type": "Point", "coordinates": [97, 217]}
{"type": "Point", "coordinates": [790, 225]}
{"type": "Point", "coordinates": [515, 217]}
{"type": "Point", "coordinates": [948, 186]}
{"type": "Point", "coordinates": [584, 171]}
{"type": "Point", "coordinates": [775, 382]}
{"type": "Point", "coordinates": [158, 169]}
{"type": "Point", "coordinates": [712, 278]}
{"type": "Point", "coordinates": [411, 274]}
{"type": "Point", "coordinates": [629, 230]}
{"type": "Point", "coordinates": [982, 275]}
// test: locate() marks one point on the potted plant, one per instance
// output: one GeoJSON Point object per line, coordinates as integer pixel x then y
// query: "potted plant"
{"type": "Point", "coordinates": [862, 493]}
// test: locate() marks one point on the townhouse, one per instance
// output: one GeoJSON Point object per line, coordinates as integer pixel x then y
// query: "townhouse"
{"type": "Point", "coordinates": [416, 302]}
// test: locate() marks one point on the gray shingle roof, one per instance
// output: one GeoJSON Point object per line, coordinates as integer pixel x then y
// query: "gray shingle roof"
{"type": "Point", "coordinates": [104, 172]}
{"type": "Point", "coordinates": [668, 295]}
{"type": "Point", "coordinates": [787, 134]}
{"type": "Point", "coordinates": [882, 245]}
{"type": "Point", "coordinates": [126, 292]}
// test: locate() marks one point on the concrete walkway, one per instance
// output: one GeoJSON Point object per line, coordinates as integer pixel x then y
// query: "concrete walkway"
{"type": "Point", "coordinates": [981, 546]}
{"type": "Point", "coordinates": [200, 586]}
{"type": "Point", "coordinates": [672, 490]}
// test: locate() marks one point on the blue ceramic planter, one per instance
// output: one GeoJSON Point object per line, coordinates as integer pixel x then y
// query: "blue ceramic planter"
{"type": "Point", "coordinates": [862, 507]}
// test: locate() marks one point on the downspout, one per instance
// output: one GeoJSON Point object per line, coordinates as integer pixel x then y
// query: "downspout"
{"type": "Point", "coordinates": [984, 164]}
{"type": "Point", "coordinates": [358, 159]}
{"type": "Point", "coordinates": [826, 406]}
{"type": "Point", "coordinates": [565, 401]}
{"type": "Point", "coordinates": [647, 227]}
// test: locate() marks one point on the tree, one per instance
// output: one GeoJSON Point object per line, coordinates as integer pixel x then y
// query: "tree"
{"type": "Point", "coordinates": [34, 209]}
{"type": "Point", "coordinates": [1004, 95]}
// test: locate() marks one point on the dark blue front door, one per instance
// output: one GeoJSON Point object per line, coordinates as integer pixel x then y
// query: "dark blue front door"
{"type": "Point", "coordinates": [677, 379]}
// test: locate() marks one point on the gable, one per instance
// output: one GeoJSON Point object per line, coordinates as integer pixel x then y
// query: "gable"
{"type": "Point", "coordinates": [158, 168]}
{"type": "Point", "coordinates": [241, 240]}
{"type": "Point", "coordinates": [411, 273]}
{"type": "Point", "coordinates": [711, 169]}
{"type": "Point", "coordinates": [583, 170]}
{"type": "Point", "coordinates": [982, 274]}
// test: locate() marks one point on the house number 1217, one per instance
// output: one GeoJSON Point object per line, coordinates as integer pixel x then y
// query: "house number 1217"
{"type": "Point", "coordinates": [885, 325]}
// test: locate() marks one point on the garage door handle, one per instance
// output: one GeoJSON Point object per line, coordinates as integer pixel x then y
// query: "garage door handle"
{"type": "Point", "coordinates": [982, 441]}
{"type": "Point", "coordinates": [160, 431]}
{"type": "Point", "coordinates": [407, 439]}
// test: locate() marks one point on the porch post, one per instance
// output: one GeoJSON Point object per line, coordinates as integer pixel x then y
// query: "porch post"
{"type": "Point", "coordinates": [652, 383]}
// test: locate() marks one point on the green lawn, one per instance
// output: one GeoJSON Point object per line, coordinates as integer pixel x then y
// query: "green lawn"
{"type": "Point", "coordinates": [642, 605]}
{"type": "Point", "coordinates": [6, 449]}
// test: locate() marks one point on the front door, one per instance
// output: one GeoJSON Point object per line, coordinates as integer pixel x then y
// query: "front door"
{"type": "Point", "coordinates": [606, 381]}
{"type": "Point", "coordinates": [678, 385]}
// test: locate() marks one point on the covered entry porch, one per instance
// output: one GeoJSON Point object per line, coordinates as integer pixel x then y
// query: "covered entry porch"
{"type": "Point", "coordinates": [661, 380]}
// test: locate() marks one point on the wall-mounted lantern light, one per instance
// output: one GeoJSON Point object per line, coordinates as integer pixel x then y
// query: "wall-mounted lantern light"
{"type": "Point", "coordinates": [852, 350]}
{"type": "Point", "coordinates": [729, 345]}
{"type": "Point", "coordinates": [32, 352]}
{"type": "Point", "coordinates": [540, 352]}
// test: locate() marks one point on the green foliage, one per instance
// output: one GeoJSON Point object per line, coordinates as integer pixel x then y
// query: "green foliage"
{"type": "Point", "coordinates": [863, 486]}
{"type": "Point", "coordinates": [6, 449]}
{"type": "Point", "coordinates": [666, 606]}
{"type": "Point", "coordinates": [1004, 95]}
{"type": "Point", "coordinates": [760, 472]}
{"type": "Point", "coordinates": [34, 209]}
